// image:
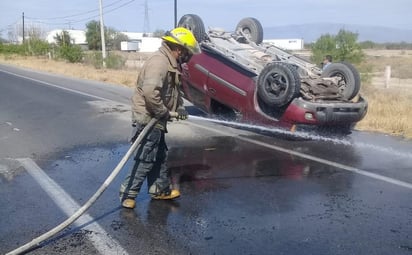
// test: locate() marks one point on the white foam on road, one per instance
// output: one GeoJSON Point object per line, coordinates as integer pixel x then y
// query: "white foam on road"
{"type": "Point", "coordinates": [309, 157]}
{"type": "Point", "coordinates": [100, 239]}
{"type": "Point", "coordinates": [305, 135]}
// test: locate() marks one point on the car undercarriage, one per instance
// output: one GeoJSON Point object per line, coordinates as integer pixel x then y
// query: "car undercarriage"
{"type": "Point", "coordinates": [276, 79]}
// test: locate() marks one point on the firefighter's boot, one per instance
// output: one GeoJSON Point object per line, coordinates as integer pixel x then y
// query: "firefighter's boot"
{"type": "Point", "coordinates": [170, 194]}
{"type": "Point", "coordinates": [129, 203]}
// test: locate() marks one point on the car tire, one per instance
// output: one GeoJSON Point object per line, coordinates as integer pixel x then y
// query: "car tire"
{"type": "Point", "coordinates": [278, 84]}
{"type": "Point", "coordinates": [252, 28]}
{"type": "Point", "coordinates": [195, 24]}
{"type": "Point", "coordinates": [349, 86]}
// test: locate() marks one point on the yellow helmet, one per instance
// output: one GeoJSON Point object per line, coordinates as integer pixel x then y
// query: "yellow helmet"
{"type": "Point", "coordinates": [184, 37]}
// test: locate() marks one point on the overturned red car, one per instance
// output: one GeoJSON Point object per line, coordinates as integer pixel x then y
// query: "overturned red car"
{"type": "Point", "coordinates": [239, 77]}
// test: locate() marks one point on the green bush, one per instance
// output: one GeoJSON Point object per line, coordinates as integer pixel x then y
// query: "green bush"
{"type": "Point", "coordinates": [342, 47]}
{"type": "Point", "coordinates": [33, 47]}
{"type": "Point", "coordinates": [11, 49]}
{"type": "Point", "coordinates": [36, 47]}
{"type": "Point", "coordinates": [71, 53]}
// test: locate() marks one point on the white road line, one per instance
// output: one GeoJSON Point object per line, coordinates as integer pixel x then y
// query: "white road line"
{"type": "Point", "coordinates": [101, 240]}
{"type": "Point", "coordinates": [313, 158]}
{"type": "Point", "coordinates": [59, 87]}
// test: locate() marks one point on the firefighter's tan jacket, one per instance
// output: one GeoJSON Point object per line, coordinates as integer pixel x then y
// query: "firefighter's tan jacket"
{"type": "Point", "coordinates": [157, 89]}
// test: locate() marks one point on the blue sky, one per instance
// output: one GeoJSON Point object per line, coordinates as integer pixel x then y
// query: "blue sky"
{"type": "Point", "coordinates": [129, 15]}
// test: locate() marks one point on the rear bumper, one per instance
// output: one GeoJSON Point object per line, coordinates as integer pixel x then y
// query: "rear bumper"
{"type": "Point", "coordinates": [301, 111]}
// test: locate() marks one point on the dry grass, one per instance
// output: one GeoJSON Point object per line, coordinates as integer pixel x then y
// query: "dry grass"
{"type": "Point", "coordinates": [389, 108]}
{"type": "Point", "coordinates": [389, 111]}
{"type": "Point", "coordinates": [121, 77]}
{"type": "Point", "coordinates": [400, 62]}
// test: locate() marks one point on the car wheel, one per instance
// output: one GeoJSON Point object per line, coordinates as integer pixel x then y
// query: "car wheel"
{"type": "Point", "coordinates": [195, 24]}
{"type": "Point", "coordinates": [278, 84]}
{"type": "Point", "coordinates": [252, 29]}
{"type": "Point", "coordinates": [349, 84]}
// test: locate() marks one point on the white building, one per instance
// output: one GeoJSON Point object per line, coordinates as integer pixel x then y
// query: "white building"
{"type": "Point", "coordinates": [287, 44]}
{"type": "Point", "coordinates": [146, 44]}
{"type": "Point", "coordinates": [149, 44]}
{"type": "Point", "coordinates": [134, 36]}
{"type": "Point", "coordinates": [77, 36]}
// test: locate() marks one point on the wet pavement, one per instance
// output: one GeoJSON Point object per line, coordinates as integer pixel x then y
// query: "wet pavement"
{"type": "Point", "coordinates": [243, 192]}
{"type": "Point", "coordinates": [237, 197]}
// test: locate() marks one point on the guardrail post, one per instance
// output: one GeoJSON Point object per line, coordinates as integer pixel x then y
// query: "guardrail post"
{"type": "Point", "coordinates": [387, 76]}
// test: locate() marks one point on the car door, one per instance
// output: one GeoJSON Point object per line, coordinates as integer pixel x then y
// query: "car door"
{"type": "Point", "coordinates": [228, 85]}
{"type": "Point", "coordinates": [194, 80]}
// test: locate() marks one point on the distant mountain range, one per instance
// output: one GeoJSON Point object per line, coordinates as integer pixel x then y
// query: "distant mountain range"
{"type": "Point", "coordinates": [312, 32]}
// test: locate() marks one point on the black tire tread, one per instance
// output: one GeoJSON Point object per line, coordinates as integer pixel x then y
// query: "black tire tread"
{"type": "Point", "coordinates": [195, 24]}
{"type": "Point", "coordinates": [255, 27]}
{"type": "Point", "coordinates": [351, 75]}
{"type": "Point", "coordinates": [293, 80]}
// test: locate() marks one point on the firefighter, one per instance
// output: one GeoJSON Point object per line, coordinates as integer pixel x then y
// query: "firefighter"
{"type": "Point", "coordinates": [157, 95]}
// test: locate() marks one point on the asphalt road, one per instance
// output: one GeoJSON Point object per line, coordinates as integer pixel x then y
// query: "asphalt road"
{"type": "Point", "coordinates": [243, 191]}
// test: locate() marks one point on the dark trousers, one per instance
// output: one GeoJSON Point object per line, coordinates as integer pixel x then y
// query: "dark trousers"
{"type": "Point", "coordinates": [150, 162]}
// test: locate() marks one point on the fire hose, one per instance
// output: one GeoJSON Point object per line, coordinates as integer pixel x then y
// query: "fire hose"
{"type": "Point", "coordinates": [35, 242]}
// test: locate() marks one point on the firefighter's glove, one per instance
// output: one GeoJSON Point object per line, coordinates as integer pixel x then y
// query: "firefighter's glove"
{"type": "Point", "coordinates": [137, 128]}
{"type": "Point", "coordinates": [182, 114]}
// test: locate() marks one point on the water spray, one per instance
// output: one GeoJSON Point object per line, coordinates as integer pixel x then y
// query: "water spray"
{"type": "Point", "coordinates": [276, 130]}
{"type": "Point", "coordinates": [305, 135]}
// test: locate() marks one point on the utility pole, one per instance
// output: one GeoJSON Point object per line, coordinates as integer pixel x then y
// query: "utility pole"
{"type": "Point", "coordinates": [175, 13]}
{"type": "Point", "coordinates": [23, 27]}
{"type": "Point", "coordinates": [102, 34]}
{"type": "Point", "coordinates": [146, 25]}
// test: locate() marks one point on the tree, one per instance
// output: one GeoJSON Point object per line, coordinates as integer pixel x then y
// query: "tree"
{"type": "Point", "coordinates": [63, 39]}
{"type": "Point", "coordinates": [325, 45]}
{"type": "Point", "coordinates": [342, 47]}
{"type": "Point", "coordinates": [31, 31]}
{"type": "Point", "coordinates": [35, 31]}
{"type": "Point", "coordinates": [117, 39]}
{"type": "Point", "coordinates": [347, 47]}
{"type": "Point", "coordinates": [114, 38]}
{"type": "Point", "coordinates": [159, 33]}
{"type": "Point", "coordinates": [67, 49]}
{"type": "Point", "coordinates": [93, 37]}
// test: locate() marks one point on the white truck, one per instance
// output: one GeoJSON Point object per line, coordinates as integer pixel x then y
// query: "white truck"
{"type": "Point", "coordinates": [129, 46]}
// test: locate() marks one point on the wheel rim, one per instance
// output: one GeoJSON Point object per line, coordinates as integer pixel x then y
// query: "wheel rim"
{"type": "Point", "coordinates": [188, 23]}
{"type": "Point", "coordinates": [342, 82]}
{"type": "Point", "coordinates": [247, 33]}
{"type": "Point", "coordinates": [276, 84]}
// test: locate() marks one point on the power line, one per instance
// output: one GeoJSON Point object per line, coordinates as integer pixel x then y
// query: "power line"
{"type": "Point", "coordinates": [82, 19]}
{"type": "Point", "coordinates": [46, 21]}
{"type": "Point", "coordinates": [78, 14]}
{"type": "Point", "coordinates": [146, 24]}
{"type": "Point", "coordinates": [10, 25]}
